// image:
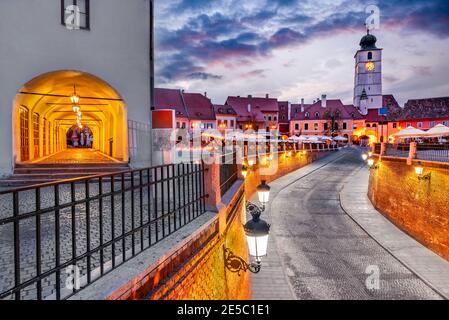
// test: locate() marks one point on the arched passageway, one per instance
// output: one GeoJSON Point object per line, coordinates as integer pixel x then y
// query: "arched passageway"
{"type": "Point", "coordinates": [49, 106]}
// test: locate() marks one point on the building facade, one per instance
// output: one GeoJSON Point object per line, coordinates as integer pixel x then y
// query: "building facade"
{"type": "Point", "coordinates": [98, 51]}
{"type": "Point", "coordinates": [326, 118]}
{"type": "Point", "coordinates": [192, 110]}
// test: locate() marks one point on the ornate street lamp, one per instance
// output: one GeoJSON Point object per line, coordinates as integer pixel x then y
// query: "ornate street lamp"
{"type": "Point", "coordinates": [257, 232]}
{"type": "Point", "coordinates": [263, 192]}
{"type": "Point", "coordinates": [419, 170]}
{"type": "Point", "coordinates": [244, 171]}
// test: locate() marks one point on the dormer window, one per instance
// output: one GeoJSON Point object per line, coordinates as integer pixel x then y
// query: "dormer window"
{"type": "Point", "coordinates": [317, 115]}
{"type": "Point", "coordinates": [307, 115]}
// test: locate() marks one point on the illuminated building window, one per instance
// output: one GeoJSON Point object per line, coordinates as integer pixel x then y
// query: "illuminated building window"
{"type": "Point", "coordinates": [24, 134]}
{"type": "Point", "coordinates": [36, 135]}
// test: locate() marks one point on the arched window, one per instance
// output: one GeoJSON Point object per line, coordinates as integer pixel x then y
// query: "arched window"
{"type": "Point", "coordinates": [370, 55]}
{"type": "Point", "coordinates": [307, 115]}
{"type": "Point", "coordinates": [317, 115]}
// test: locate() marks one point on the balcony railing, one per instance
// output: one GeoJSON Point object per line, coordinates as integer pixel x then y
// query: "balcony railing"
{"type": "Point", "coordinates": [57, 238]}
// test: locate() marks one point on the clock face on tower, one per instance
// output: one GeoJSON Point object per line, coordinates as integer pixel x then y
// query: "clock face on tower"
{"type": "Point", "coordinates": [370, 66]}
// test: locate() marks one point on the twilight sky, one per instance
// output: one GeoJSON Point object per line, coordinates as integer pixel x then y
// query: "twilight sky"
{"type": "Point", "coordinates": [296, 49]}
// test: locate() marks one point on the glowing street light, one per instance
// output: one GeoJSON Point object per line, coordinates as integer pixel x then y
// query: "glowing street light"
{"type": "Point", "coordinates": [263, 192]}
{"type": "Point", "coordinates": [364, 157]}
{"type": "Point", "coordinates": [244, 171]}
{"type": "Point", "coordinates": [419, 170]}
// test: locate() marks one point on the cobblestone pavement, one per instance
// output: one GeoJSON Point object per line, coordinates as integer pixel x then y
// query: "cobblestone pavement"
{"type": "Point", "coordinates": [326, 254]}
{"type": "Point", "coordinates": [77, 220]}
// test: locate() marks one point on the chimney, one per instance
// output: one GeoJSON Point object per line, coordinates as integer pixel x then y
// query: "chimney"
{"type": "Point", "coordinates": [205, 94]}
{"type": "Point", "coordinates": [250, 96]}
{"type": "Point", "coordinates": [324, 101]}
{"type": "Point", "coordinates": [267, 96]}
{"type": "Point", "coordinates": [302, 105]}
{"type": "Point", "coordinates": [249, 107]}
{"type": "Point", "coordinates": [314, 101]}
{"type": "Point", "coordinates": [289, 111]}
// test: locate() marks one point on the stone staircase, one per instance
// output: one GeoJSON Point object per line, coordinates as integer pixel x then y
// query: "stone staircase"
{"type": "Point", "coordinates": [30, 174]}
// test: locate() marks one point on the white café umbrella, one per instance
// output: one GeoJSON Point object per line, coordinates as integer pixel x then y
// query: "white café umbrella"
{"type": "Point", "coordinates": [438, 131]}
{"type": "Point", "coordinates": [410, 132]}
{"type": "Point", "coordinates": [340, 138]}
{"type": "Point", "coordinates": [298, 139]}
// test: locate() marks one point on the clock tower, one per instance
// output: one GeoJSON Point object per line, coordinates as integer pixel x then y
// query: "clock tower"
{"type": "Point", "coordinates": [368, 75]}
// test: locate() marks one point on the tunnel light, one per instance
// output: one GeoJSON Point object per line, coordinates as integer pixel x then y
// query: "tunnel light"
{"type": "Point", "coordinates": [74, 97]}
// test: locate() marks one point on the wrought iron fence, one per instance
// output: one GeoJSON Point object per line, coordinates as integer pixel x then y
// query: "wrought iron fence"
{"type": "Point", "coordinates": [397, 150]}
{"type": "Point", "coordinates": [57, 238]}
{"type": "Point", "coordinates": [228, 170]}
{"type": "Point", "coordinates": [433, 152]}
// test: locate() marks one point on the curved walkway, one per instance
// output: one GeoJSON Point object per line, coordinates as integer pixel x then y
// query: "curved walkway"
{"type": "Point", "coordinates": [317, 251]}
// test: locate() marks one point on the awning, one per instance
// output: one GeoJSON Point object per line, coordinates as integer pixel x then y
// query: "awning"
{"type": "Point", "coordinates": [438, 131]}
{"type": "Point", "coordinates": [410, 132]}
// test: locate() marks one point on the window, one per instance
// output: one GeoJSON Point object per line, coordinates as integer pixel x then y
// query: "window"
{"type": "Point", "coordinates": [275, 118]}
{"type": "Point", "coordinates": [374, 125]}
{"type": "Point", "coordinates": [306, 126]}
{"type": "Point", "coordinates": [36, 135]}
{"type": "Point", "coordinates": [336, 127]}
{"type": "Point", "coordinates": [232, 124]}
{"type": "Point", "coordinates": [419, 124]}
{"type": "Point", "coordinates": [315, 126]}
{"type": "Point", "coordinates": [445, 123]}
{"type": "Point", "coordinates": [395, 125]}
{"type": "Point", "coordinates": [84, 12]}
{"type": "Point", "coordinates": [432, 124]}
{"type": "Point", "coordinates": [269, 118]}
{"type": "Point", "coordinates": [307, 115]}
{"type": "Point", "coordinates": [368, 125]}
{"type": "Point", "coordinates": [317, 115]}
{"type": "Point", "coordinates": [183, 125]}
{"type": "Point", "coordinates": [283, 117]}
{"type": "Point", "coordinates": [370, 55]}
{"type": "Point", "coordinates": [296, 126]}
{"type": "Point", "coordinates": [345, 126]}
{"type": "Point", "coordinates": [178, 125]}
{"type": "Point", "coordinates": [24, 134]}
{"type": "Point", "coordinates": [44, 138]}
{"type": "Point", "coordinates": [326, 126]}
{"type": "Point", "coordinates": [409, 125]}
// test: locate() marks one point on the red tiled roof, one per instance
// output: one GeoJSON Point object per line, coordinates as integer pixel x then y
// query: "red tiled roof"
{"type": "Point", "coordinates": [169, 99]}
{"type": "Point", "coordinates": [316, 111]}
{"type": "Point", "coordinates": [199, 107]}
{"type": "Point", "coordinates": [224, 110]}
{"type": "Point", "coordinates": [258, 107]}
{"type": "Point", "coordinates": [426, 109]}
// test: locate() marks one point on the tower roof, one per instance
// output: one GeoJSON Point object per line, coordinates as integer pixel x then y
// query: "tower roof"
{"type": "Point", "coordinates": [368, 42]}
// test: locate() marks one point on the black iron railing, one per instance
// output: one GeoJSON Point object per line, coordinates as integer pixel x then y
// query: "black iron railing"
{"type": "Point", "coordinates": [397, 150]}
{"type": "Point", "coordinates": [57, 238]}
{"type": "Point", "coordinates": [433, 152]}
{"type": "Point", "coordinates": [228, 171]}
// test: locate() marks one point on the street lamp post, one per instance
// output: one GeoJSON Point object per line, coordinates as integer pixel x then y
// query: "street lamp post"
{"type": "Point", "coordinates": [256, 232]}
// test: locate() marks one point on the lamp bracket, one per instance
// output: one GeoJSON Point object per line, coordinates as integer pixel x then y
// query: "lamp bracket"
{"type": "Point", "coordinates": [425, 177]}
{"type": "Point", "coordinates": [237, 264]}
{"type": "Point", "coordinates": [254, 210]}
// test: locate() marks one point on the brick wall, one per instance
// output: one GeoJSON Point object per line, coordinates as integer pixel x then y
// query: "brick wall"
{"type": "Point", "coordinates": [420, 208]}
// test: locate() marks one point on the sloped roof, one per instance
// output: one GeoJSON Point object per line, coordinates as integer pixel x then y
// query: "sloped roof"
{"type": "Point", "coordinates": [393, 110]}
{"type": "Point", "coordinates": [198, 106]}
{"type": "Point", "coordinates": [224, 110]}
{"type": "Point", "coordinates": [169, 99]}
{"type": "Point", "coordinates": [258, 107]}
{"type": "Point", "coordinates": [316, 111]}
{"type": "Point", "coordinates": [425, 109]}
